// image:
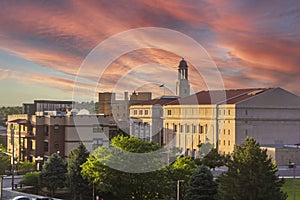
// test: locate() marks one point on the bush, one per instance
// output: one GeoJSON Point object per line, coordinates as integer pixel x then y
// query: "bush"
{"type": "Point", "coordinates": [26, 166]}
{"type": "Point", "coordinates": [31, 179]}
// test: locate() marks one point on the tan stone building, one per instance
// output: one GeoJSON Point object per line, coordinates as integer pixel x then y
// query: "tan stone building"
{"type": "Point", "coordinates": [226, 118]}
{"type": "Point", "coordinates": [146, 119]}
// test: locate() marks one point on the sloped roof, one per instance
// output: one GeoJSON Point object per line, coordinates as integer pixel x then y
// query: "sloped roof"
{"type": "Point", "coordinates": [231, 96]}
{"type": "Point", "coordinates": [20, 121]}
{"type": "Point", "coordinates": [161, 101]}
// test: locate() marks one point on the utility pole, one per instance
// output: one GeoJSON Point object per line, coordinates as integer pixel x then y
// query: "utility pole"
{"type": "Point", "coordinates": [12, 157]}
{"type": "Point", "coordinates": [294, 182]}
{"type": "Point", "coordinates": [178, 188]}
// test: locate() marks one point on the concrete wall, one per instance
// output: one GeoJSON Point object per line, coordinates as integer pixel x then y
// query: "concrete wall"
{"type": "Point", "coordinates": [282, 156]}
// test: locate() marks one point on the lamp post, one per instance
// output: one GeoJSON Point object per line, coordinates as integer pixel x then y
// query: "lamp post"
{"type": "Point", "coordinates": [12, 157]}
{"type": "Point", "coordinates": [294, 181]}
{"type": "Point", "coordinates": [38, 160]}
{"type": "Point", "coordinates": [178, 188]}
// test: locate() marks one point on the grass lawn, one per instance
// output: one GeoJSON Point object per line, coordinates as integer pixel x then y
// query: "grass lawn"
{"type": "Point", "coordinates": [288, 188]}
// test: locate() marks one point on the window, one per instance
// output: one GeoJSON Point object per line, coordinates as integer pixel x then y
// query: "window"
{"type": "Point", "coordinates": [97, 143]}
{"type": "Point", "coordinates": [224, 112]}
{"type": "Point", "coordinates": [228, 131]}
{"type": "Point", "coordinates": [46, 129]}
{"type": "Point", "coordinates": [97, 128]}
{"type": "Point", "coordinates": [135, 112]}
{"type": "Point", "coordinates": [169, 112]}
{"type": "Point", "coordinates": [201, 129]}
{"type": "Point", "coordinates": [180, 128]}
{"type": "Point", "coordinates": [224, 131]}
{"type": "Point", "coordinates": [246, 112]}
{"type": "Point", "coordinates": [45, 146]}
{"type": "Point", "coordinates": [146, 112]}
{"type": "Point", "coordinates": [194, 129]}
{"type": "Point", "coordinates": [228, 112]}
{"type": "Point", "coordinates": [228, 142]}
{"type": "Point", "coordinates": [175, 127]}
{"type": "Point", "coordinates": [219, 142]}
{"type": "Point", "coordinates": [140, 112]}
{"type": "Point", "coordinates": [187, 128]}
{"type": "Point", "coordinates": [224, 142]}
{"type": "Point", "coordinates": [56, 145]}
{"type": "Point", "coordinates": [56, 128]}
{"type": "Point", "coordinates": [23, 128]}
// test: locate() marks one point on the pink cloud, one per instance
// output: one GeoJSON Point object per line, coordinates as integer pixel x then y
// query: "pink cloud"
{"type": "Point", "coordinates": [247, 45]}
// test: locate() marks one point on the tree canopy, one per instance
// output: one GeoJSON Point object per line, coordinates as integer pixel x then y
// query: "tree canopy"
{"type": "Point", "coordinates": [54, 173]}
{"type": "Point", "coordinates": [251, 175]}
{"type": "Point", "coordinates": [201, 185]}
{"type": "Point", "coordinates": [213, 159]}
{"type": "Point", "coordinates": [76, 158]}
{"type": "Point", "coordinates": [157, 184]}
{"type": "Point", "coordinates": [4, 160]}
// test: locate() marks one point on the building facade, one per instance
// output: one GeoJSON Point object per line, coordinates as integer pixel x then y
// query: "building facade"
{"type": "Point", "coordinates": [269, 115]}
{"type": "Point", "coordinates": [146, 119]}
{"type": "Point", "coordinates": [40, 135]}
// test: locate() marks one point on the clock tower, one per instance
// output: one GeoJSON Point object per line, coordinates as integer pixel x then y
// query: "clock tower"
{"type": "Point", "coordinates": [182, 84]}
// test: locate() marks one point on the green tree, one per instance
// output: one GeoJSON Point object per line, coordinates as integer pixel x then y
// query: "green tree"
{"type": "Point", "coordinates": [4, 160]}
{"type": "Point", "coordinates": [182, 169]}
{"type": "Point", "coordinates": [26, 166]}
{"type": "Point", "coordinates": [32, 179]}
{"type": "Point", "coordinates": [201, 185]}
{"type": "Point", "coordinates": [123, 185]}
{"type": "Point", "coordinates": [213, 159]}
{"type": "Point", "coordinates": [54, 173]}
{"type": "Point", "coordinates": [251, 175]}
{"type": "Point", "coordinates": [76, 158]}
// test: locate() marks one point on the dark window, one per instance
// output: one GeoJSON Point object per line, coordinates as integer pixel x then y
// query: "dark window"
{"type": "Point", "coordinates": [187, 128]}
{"type": "Point", "coordinates": [97, 143]}
{"type": "Point", "coordinates": [180, 128]}
{"type": "Point", "coordinates": [46, 130]}
{"type": "Point", "coordinates": [201, 129]}
{"type": "Point", "coordinates": [169, 112]}
{"type": "Point", "coordinates": [56, 145]}
{"type": "Point", "coordinates": [194, 129]}
{"type": "Point", "coordinates": [56, 128]}
{"type": "Point", "coordinates": [45, 146]}
{"type": "Point", "coordinates": [146, 112]}
{"type": "Point", "coordinates": [97, 129]}
{"type": "Point", "coordinates": [175, 128]}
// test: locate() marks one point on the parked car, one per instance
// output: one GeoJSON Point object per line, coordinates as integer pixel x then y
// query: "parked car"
{"type": "Point", "coordinates": [22, 198]}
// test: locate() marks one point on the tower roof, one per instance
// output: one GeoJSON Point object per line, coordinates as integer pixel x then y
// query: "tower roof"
{"type": "Point", "coordinates": [183, 64]}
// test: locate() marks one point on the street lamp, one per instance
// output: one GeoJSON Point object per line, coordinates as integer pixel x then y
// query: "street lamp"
{"type": "Point", "coordinates": [12, 157]}
{"type": "Point", "coordinates": [38, 160]}
{"type": "Point", "coordinates": [294, 181]}
{"type": "Point", "coordinates": [178, 188]}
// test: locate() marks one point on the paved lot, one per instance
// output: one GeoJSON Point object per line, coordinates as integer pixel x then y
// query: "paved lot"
{"type": "Point", "coordinates": [7, 193]}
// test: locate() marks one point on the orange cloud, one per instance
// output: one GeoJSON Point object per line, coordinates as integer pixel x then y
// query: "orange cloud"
{"type": "Point", "coordinates": [249, 41]}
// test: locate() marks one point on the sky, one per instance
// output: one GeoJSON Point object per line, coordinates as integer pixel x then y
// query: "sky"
{"type": "Point", "coordinates": [44, 46]}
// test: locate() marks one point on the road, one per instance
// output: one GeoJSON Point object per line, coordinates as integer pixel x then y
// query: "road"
{"type": "Point", "coordinates": [7, 181]}
{"type": "Point", "coordinates": [7, 193]}
{"type": "Point", "coordinates": [283, 171]}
